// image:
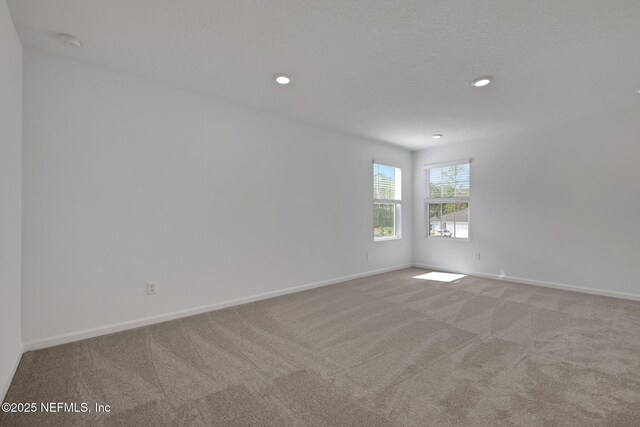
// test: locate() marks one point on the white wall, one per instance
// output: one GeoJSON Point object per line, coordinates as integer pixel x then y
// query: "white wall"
{"type": "Point", "coordinates": [127, 181]}
{"type": "Point", "coordinates": [10, 197]}
{"type": "Point", "coordinates": [547, 206]}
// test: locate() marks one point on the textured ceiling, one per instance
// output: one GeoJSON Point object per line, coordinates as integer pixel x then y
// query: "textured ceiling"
{"type": "Point", "coordinates": [394, 71]}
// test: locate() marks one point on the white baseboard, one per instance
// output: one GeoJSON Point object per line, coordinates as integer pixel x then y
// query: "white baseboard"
{"type": "Point", "coordinates": [131, 324]}
{"type": "Point", "coordinates": [5, 387]}
{"type": "Point", "coordinates": [584, 290]}
{"type": "Point", "coordinates": [136, 323]}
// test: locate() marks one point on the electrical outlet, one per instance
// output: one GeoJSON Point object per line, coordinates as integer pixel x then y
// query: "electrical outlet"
{"type": "Point", "coordinates": [367, 255]}
{"type": "Point", "coordinates": [478, 256]}
{"type": "Point", "coordinates": [152, 288]}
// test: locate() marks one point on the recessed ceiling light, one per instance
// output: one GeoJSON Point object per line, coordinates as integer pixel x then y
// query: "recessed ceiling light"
{"type": "Point", "coordinates": [69, 41]}
{"type": "Point", "coordinates": [437, 136]}
{"type": "Point", "coordinates": [482, 81]}
{"type": "Point", "coordinates": [282, 79]}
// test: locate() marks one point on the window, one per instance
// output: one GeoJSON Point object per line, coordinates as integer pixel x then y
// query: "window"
{"type": "Point", "coordinates": [447, 200]}
{"type": "Point", "coordinates": [387, 198]}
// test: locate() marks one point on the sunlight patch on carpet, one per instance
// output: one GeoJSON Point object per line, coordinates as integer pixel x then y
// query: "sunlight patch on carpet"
{"type": "Point", "coordinates": [440, 277]}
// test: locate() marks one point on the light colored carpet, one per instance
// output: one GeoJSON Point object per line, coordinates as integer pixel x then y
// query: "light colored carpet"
{"type": "Point", "coordinates": [382, 350]}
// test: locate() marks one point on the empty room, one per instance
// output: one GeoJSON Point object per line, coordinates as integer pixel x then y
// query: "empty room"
{"type": "Point", "coordinates": [319, 213]}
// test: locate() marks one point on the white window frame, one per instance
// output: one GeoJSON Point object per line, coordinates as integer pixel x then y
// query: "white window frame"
{"type": "Point", "coordinates": [396, 202]}
{"type": "Point", "coordinates": [439, 200]}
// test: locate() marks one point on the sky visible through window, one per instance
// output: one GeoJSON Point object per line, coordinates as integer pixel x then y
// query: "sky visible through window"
{"type": "Point", "coordinates": [387, 171]}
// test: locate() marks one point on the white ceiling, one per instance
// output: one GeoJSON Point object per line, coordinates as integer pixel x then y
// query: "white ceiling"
{"type": "Point", "coordinates": [395, 71]}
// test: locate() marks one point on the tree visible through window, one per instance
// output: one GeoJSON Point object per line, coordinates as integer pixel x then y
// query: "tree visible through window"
{"type": "Point", "coordinates": [448, 193]}
{"type": "Point", "coordinates": [387, 200]}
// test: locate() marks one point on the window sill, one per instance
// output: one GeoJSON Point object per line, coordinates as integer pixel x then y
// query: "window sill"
{"type": "Point", "coordinates": [385, 239]}
{"type": "Point", "coordinates": [448, 239]}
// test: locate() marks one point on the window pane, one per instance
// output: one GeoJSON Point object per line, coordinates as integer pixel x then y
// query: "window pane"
{"type": "Point", "coordinates": [462, 230]}
{"type": "Point", "coordinates": [448, 228]}
{"type": "Point", "coordinates": [435, 175]}
{"type": "Point", "coordinates": [462, 221]}
{"type": "Point", "coordinates": [462, 173]}
{"type": "Point", "coordinates": [448, 190]}
{"type": "Point", "coordinates": [442, 211]}
{"type": "Point", "coordinates": [462, 189]}
{"type": "Point", "coordinates": [384, 220]}
{"type": "Point", "coordinates": [435, 191]}
{"type": "Point", "coordinates": [462, 212]}
{"type": "Point", "coordinates": [386, 182]}
{"type": "Point", "coordinates": [435, 211]}
{"type": "Point", "coordinates": [449, 220]}
{"type": "Point", "coordinates": [448, 211]}
{"type": "Point", "coordinates": [448, 182]}
{"type": "Point", "coordinates": [449, 174]}
{"type": "Point", "coordinates": [435, 228]}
